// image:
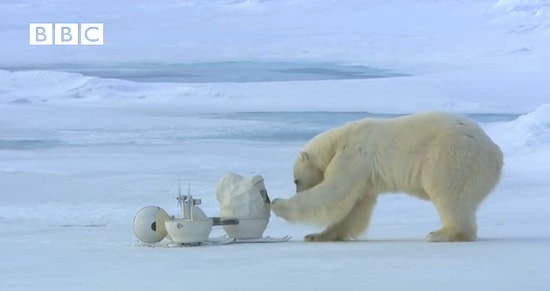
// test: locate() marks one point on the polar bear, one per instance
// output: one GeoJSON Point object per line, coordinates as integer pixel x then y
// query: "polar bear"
{"type": "Point", "coordinates": [441, 157]}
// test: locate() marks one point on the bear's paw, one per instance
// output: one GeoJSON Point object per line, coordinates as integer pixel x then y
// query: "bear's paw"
{"type": "Point", "coordinates": [450, 235]}
{"type": "Point", "coordinates": [284, 209]}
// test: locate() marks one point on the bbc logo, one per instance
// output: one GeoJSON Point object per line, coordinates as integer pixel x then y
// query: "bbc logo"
{"type": "Point", "coordinates": [66, 34]}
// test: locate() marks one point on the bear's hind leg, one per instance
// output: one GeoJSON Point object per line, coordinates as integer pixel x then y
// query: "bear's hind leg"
{"type": "Point", "coordinates": [352, 226]}
{"type": "Point", "coordinates": [458, 222]}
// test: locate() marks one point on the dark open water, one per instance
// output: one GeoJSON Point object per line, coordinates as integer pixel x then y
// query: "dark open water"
{"type": "Point", "coordinates": [275, 127]}
{"type": "Point", "coordinates": [215, 72]}
{"type": "Point", "coordinates": [272, 127]}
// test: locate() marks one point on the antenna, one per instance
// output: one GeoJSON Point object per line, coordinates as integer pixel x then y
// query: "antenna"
{"type": "Point", "coordinates": [179, 185]}
{"type": "Point", "coordinates": [190, 200]}
{"type": "Point", "coordinates": [182, 202]}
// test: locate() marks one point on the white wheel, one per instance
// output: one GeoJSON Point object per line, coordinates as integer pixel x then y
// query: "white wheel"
{"type": "Point", "coordinates": [149, 224]}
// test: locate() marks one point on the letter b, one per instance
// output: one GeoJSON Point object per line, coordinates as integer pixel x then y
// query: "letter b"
{"type": "Point", "coordinates": [66, 33]}
{"type": "Point", "coordinates": [40, 34]}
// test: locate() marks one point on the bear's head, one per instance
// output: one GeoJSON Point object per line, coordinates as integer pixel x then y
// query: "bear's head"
{"type": "Point", "coordinates": [306, 172]}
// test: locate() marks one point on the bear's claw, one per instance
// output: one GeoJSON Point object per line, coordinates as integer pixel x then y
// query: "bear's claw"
{"type": "Point", "coordinates": [315, 237]}
{"type": "Point", "coordinates": [310, 237]}
{"type": "Point", "coordinates": [319, 237]}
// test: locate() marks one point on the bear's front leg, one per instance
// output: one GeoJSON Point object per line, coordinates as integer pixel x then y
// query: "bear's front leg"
{"type": "Point", "coordinates": [284, 209]}
{"type": "Point", "coordinates": [352, 226]}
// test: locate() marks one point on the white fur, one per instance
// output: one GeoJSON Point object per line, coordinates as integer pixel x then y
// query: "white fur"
{"type": "Point", "coordinates": [441, 157]}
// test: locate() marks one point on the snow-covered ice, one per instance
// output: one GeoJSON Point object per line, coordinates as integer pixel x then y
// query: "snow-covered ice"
{"type": "Point", "coordinates": [80, 153]}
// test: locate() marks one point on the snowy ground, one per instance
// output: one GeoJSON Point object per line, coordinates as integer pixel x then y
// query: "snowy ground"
{"type": "Point", "coordinates": [80, 154]}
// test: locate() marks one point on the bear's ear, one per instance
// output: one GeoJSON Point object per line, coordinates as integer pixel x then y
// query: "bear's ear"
{"type": "Point", "coordinates": [304, 156]}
